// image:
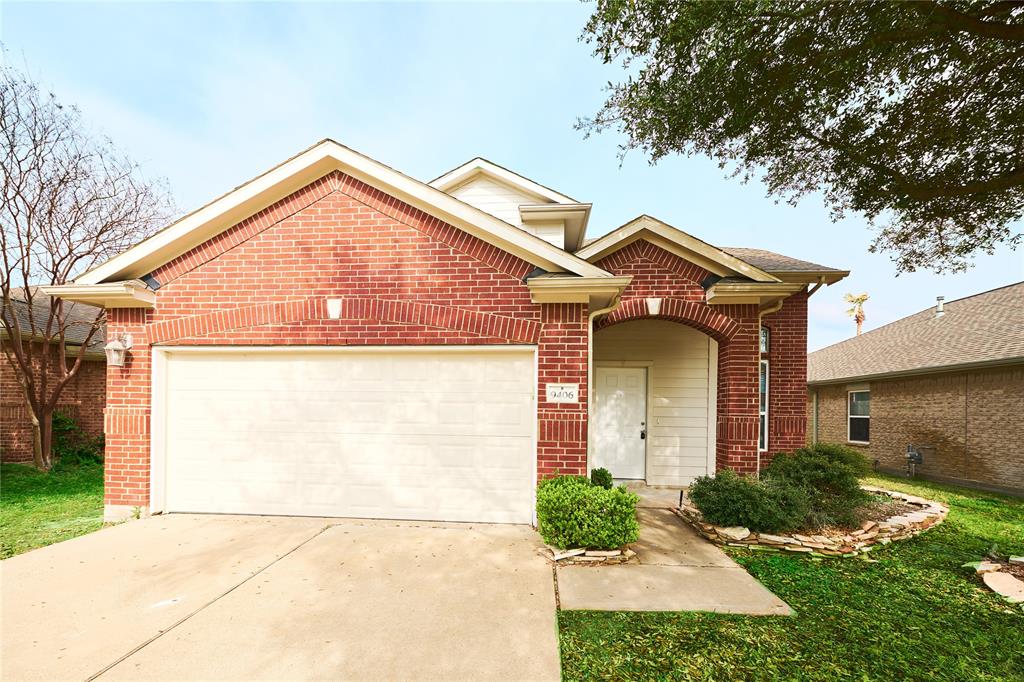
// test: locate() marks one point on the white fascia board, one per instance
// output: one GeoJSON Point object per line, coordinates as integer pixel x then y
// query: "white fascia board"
{"type": "Point", "coordinates": [130, 294]}
{"type": "Point", "coordinates": [599, 290]}
{"type": "Point", "coordinates": [751, 292]}
{"type": "Point", "coordinates": [622, 236]}
{"type": "Point", "coordinates": [457, 176]}
{"type": "Point", "coordinates": [319, 160]}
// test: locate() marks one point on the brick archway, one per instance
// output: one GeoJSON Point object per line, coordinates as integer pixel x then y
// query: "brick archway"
{"type": "Point", "coordinates": [700, 316]}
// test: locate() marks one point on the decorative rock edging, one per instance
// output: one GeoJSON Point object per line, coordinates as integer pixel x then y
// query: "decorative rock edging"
{"type": "Point", "coordinates": [588, 557]}
{"type": "Point", "coordinates": [996, 579]}
{"type": "Point", "coordinates": [870, 534]}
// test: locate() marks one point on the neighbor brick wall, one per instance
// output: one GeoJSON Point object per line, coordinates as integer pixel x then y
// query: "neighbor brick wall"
{"type": "Point", "coordinates": [405, 278]}
{"type": "Point", "coordinates": [82, 399]}
{"type": "Point", "coordinates": [973, 420]}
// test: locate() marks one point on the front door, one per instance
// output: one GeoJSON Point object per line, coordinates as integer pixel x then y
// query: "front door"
{"type": "Point", "coordinates": [620, 421]}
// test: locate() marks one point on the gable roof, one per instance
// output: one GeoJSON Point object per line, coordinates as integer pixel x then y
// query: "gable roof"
{"type": "Point", "coordinates": [302, 169]}
{"type": "Point", "coordinates": [711, 258]}
{"type": "Point", "coordinates": [977, 330]}
{"type": "Point", "coordinates": [480, 165]}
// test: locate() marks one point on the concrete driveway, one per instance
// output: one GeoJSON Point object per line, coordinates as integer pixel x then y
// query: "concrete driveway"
{"type": "Point", "coordinates": [243, 597]}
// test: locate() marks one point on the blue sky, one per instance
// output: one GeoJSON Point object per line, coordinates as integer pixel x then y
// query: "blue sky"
{"type": "Point", "coordinates": [210, 95]}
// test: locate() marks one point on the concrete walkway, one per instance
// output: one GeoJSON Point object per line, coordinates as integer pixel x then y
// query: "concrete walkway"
{"type": "Point", "coordinates": [189, 597]}
{"type": "Point", "coordinates": [678, 571]}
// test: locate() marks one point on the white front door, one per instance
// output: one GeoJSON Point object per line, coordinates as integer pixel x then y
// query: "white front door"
{"type": "Point", "coordinates": [620, 421]}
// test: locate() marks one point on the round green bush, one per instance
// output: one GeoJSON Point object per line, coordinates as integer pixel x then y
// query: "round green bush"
{"type": "Point", "coordinates": [765, 507]}
{"type": "Point", "coordinates": [829, 475]}
{"type": "Point", "coordinates": [602, 477]}
{"type": "Point", "coordinates": [571, 512]}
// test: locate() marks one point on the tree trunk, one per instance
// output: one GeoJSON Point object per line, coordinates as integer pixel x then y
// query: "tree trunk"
{"type": "Point", "coordinates": [42, 440]}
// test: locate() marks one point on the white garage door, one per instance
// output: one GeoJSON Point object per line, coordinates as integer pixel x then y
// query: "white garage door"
{"type": "Point", "coordinates": [434, 434]}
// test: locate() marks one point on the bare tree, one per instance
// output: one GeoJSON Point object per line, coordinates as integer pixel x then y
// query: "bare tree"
{"type": "Point", "coordinates": [70, 200]}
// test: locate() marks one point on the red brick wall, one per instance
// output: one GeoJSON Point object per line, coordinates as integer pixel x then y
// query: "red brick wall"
{"type": "Point", "coordinates": [562, 358]}
{"type": "Point", "coordinates": [83, 399]}
{"type": "Point", "coordinates": [405, 278]}
{"type": "Point", "coordinates": [659, 274]}
{"type": "Point", "coordinates": [787, 375]}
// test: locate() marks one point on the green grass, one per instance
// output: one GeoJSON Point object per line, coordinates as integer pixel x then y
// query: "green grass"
{"type": "Point", "coordinates": [911, 613]}
{"type": "Point", "coordinates": [38, 509]}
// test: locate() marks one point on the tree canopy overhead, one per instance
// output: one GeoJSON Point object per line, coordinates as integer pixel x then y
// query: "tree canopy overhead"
{"type": "Point", "coordinates": [910, 113]}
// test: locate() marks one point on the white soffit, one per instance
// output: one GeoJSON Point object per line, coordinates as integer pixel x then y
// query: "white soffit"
{"type": "Point", "coordinates": [299, 171]}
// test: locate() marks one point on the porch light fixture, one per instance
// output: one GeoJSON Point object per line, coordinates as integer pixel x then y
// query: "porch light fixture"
{"type": "Point", "coordinates": [334, 308]}
{"type": "Point", "coordinates": [117, 349]}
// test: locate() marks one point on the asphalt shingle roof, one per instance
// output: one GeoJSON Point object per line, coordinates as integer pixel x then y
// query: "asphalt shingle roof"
{"type": "Point", "coordinates": [769, 261]}
{"type": "Point", "coordinates": [986, 327]}
{"type": "Point", "coordinates": [79, 318]}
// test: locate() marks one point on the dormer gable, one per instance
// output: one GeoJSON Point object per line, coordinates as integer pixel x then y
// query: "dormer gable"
{"type": "Point", "coordinates": [555, 217]}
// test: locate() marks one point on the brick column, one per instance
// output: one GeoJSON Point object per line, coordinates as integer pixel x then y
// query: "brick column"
{"type": "Point", "coordinates": [126, 420]}
{"type": "Point", "coordinates": [562, 359]}
{"type": "Point", "coordinates": [787, 379]}
{"type": "Point", "coordinates": [738, 357]}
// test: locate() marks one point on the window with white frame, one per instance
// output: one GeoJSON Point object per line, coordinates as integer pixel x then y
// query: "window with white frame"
{"type": "Point", "coordinates": [858, 417]}
{"type": "Point", "coordinates": [764, 340]}
{"type": "Point", "coordinates": [762, 409]}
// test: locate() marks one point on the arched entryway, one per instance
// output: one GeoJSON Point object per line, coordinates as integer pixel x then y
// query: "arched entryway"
{"type": "Point", "coordinates": [655, 401]}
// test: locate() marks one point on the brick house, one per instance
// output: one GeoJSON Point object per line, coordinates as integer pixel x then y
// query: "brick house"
{"type": "Point", "coordinates": [948, 380]}
{"type": "Point", "coordinates": [337, 338]}
{"type": "Point", "coordinates": [83, 398]}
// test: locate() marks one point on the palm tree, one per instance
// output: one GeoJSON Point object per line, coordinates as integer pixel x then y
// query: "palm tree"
{"type": "Point", "coordinates": [856, 311]}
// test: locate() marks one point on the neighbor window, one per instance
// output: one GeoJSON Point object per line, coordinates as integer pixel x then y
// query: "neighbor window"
{"type": "Point", "coordinates": [859, 417]}
{"type": "Point", "coordinates": [762, 410]}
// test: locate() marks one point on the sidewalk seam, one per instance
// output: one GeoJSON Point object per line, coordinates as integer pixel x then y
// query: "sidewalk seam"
{"type": "Point", "coordinates": [203, 607]}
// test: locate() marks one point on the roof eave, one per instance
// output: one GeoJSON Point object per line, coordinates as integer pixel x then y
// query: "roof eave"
{"type": "Point", "coordinates": [299, 171]}
{"type": "Point", "coordinates": [127, 294]}
{"type": "Point", "coordinates": [918, 371]}
{"type": "Point", "coordinates": [714, 259]}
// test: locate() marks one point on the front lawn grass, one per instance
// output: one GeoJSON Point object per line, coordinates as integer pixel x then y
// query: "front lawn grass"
{"type": "Point", "coordinates": [38, 509]}
{"type": "Point", "coordinates": [910, 613]}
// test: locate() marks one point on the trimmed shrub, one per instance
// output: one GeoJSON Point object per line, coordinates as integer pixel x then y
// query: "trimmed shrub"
{"type": "Point", "coordinates": [828, 474]}
{"type": "Point", "coordinates": [71, 445]}
{"type": "Point", "coordinates": [765, 507]}
{"type": "Point", "coordinates": [602, 477]}
{"type": "Point", "coordinates": [571, 512]}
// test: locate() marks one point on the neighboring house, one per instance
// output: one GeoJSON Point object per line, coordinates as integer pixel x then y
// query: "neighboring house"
{"type": "Point", "coordinates": [337, 338]}
{"type": "Point", "coordinates": [948, 380]}
{"type": "Point", "coordinates": [85, 395]}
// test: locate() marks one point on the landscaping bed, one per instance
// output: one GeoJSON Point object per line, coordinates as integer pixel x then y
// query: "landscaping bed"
{"type": "Point", "coordinates": [909, 610]}
{"type": "Point", "coordinates": [912, 516]}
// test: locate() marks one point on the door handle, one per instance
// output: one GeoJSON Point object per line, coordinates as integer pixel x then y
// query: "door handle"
{"type": "Point", "coordinates": [643, 430]}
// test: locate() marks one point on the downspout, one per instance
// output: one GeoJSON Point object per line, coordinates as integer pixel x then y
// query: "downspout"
{"type": "Point", "coordinates": [590, 369]}
{"type": "Point", "coordinates": [773, 308]}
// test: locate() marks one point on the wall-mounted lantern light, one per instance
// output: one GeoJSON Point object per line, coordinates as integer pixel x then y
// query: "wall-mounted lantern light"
{"type": "Point", "coordinates": [334, 308]}
{"type": "Point", "coordinates": [117, 350]}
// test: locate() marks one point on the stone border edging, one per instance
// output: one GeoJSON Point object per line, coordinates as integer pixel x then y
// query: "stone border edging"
{"type": "Point", "coordinates": [870, 534]}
